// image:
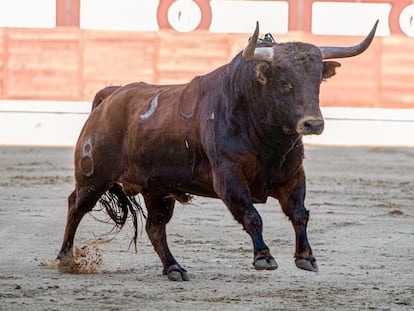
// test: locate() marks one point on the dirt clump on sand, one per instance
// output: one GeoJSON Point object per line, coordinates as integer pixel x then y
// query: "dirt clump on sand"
{"type": "Point", "coordinates": [86, 259]}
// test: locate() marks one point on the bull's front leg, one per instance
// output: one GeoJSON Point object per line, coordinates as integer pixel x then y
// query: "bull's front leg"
{"type": "Point", "coordinates": [291, 197]}
{"type": "Point", "coordinates": [233, 190]}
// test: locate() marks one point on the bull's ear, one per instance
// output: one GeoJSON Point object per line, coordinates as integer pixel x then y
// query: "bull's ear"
{"type": "Point", "coordinates": [329, 68]}
{"type": "Point", "coordinates": [261, 70]}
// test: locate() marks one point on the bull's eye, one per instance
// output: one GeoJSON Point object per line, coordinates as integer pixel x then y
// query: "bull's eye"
{"type": "Point", "coordinates": [286, 86]}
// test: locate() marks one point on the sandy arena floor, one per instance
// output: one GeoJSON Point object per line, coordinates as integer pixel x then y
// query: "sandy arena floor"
{"type": "Point", "coordinates": [361, 230]}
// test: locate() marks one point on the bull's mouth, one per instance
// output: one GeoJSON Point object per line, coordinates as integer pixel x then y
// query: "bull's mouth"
{"type": "Point", "coordinates": [287, 130]}
{"type": "Point", "coordinates": [310, 126]}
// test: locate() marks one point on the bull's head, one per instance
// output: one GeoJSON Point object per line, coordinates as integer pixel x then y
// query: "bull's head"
{"type": "Point", "coordinates": [290, 75]}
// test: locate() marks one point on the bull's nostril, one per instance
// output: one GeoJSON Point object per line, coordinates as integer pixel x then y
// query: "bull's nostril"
{"type": "Point", "coordinates": [307, 125]}
{"type": "Point", "coordinates": [311, 126]}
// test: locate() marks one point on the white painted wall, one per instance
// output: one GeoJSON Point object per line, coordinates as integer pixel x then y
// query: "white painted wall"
{"type": "Point", "coordinates": [59, 124]}
{"type": "Point", "coordinates": [28, 13]}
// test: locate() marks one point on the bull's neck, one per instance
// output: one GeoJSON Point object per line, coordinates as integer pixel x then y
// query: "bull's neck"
{"type": "Point", "coordinates": [269, 141]}
{"type": "Point", "coordinates": [275, 145]}
{"type": "Point", "coordinates": [247, 113]}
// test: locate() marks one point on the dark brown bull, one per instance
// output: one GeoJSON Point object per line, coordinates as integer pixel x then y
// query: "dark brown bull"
{"type": "Point", "coordinates": [234, 134]}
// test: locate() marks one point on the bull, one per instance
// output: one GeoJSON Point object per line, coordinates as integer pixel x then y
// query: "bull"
{"type": "Point", "coordinates": [233, 134]}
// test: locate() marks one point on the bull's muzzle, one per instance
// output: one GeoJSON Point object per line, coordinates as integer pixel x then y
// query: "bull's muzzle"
{"type": "Point", "coordinates": [310, 126]}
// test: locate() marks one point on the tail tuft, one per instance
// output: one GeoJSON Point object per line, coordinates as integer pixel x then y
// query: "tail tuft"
{"type": "Point", "coordinates": [118, 206]}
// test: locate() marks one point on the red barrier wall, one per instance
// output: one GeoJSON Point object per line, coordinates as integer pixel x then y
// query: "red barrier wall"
{"type": "Point", "coordinates": [72, 64]}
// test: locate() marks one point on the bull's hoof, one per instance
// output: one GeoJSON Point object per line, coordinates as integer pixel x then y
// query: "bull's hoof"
{"type": "Point", "coordinates": [265, 263]}
{"type": "Point", "coordinates": [308, 263]}
{"type": "Point", "coordinates": [178, 276]}
{"type": "Point", "coordinates": [66, 266]}
{"type": "Point", "coordinates": [176, 273]}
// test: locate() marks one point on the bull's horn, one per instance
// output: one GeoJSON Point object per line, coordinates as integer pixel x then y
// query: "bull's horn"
{"type": "Point", "coordinates": [250, 52]}
{"type": "Point", "coordinates": [341, 52]}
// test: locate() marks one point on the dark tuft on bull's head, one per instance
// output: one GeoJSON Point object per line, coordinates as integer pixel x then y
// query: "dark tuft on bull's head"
{"type": "Point", "coordinates": [289, 77]}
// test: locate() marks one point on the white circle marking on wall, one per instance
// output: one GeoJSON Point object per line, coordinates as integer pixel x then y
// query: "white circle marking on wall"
{"type": "Point", "coordinates": [184, 15]}
{"type": "Point", "coordinates": [407, 20]}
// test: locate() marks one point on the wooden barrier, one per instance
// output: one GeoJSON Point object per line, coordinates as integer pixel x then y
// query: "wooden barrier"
{"type": "Point", "coordinates": [71, 64]}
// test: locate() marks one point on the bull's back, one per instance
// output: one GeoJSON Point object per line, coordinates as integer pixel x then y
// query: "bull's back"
{"type": "Point", "coordinates": [163, 138]}
{"type": "Point", "coordinates": [102, 94]}
{"type": "Point", "coordinates": [141, 130]}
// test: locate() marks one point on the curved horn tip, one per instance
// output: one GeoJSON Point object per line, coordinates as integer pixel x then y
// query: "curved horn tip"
{"type": "Point", "coordinates": [376, 23]}
{"type": "Point", "coordinates": [329, 52]}
{"type": "Point", "coordinates": [257, 25]}
{"type": "Point", "coordinates": [248, 52]}
{"type": "Point", "coordinates": [374, 28]}
{"type": "Point", "coordinates": [256, 31]}
{"type": "Point", "coordinates": [370, 36]}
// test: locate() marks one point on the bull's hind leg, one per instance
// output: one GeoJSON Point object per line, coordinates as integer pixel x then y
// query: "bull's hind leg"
{"type": "Point", "coordinates": [160, 210]}
{"type": "Point", "coordinates": [80, 202]}
{"type": "Point", "coordinates": [291, 198]}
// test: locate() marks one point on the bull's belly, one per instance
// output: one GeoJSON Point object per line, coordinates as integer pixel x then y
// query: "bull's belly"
{"type": "Point", "coordinates": [179, 184]}
{"type": "Point", "coordinates": [181, 176]}
{"type": "Point", "coordinates": [175, 186]}
{"type": "Point", "coordinates": [169, 180]}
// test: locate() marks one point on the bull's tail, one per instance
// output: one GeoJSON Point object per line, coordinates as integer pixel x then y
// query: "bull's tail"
{"type": "Point", "coordinates": [118, 206]}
